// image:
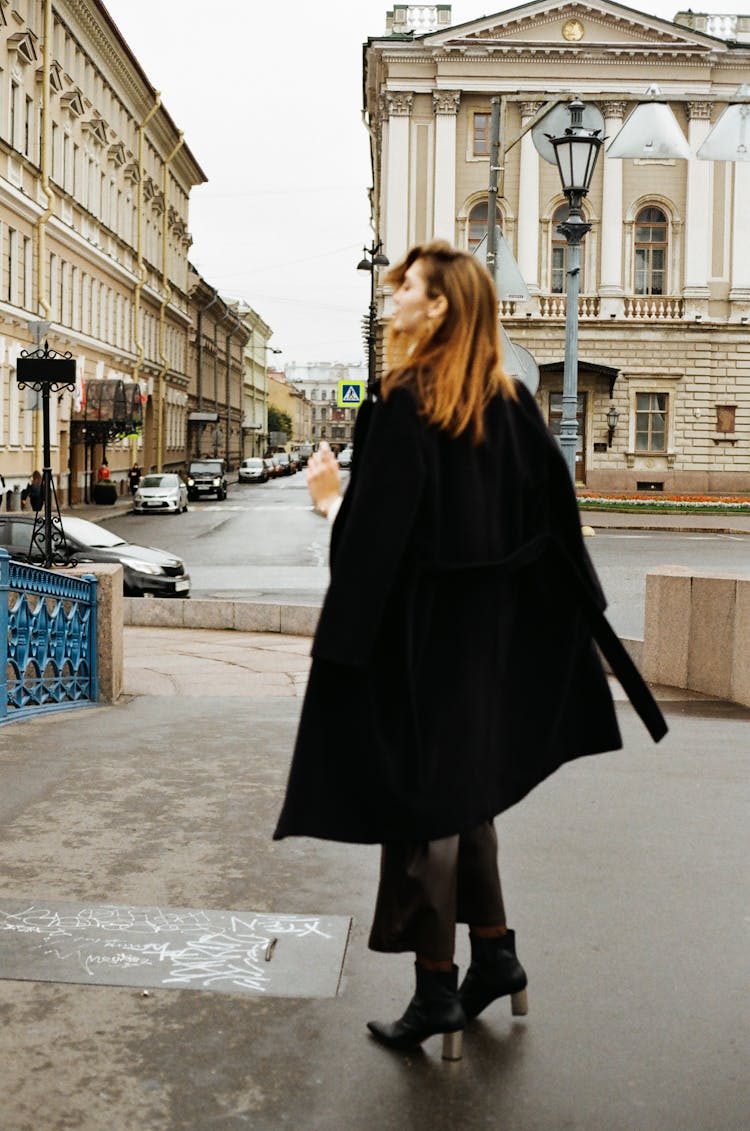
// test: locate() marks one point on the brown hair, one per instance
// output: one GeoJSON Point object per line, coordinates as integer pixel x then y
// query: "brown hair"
{"type": "Point", "coordinates": [453, 364]}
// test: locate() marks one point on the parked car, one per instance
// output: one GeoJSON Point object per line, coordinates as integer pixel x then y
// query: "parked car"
{"type": "Point", "coordinates": [281, 461]}
{"type": "Point", "coordinates": [207, 477]}
{"type": "Point", "coordinates": [270, 467]}
{"type": "Point", "coordinates": [160, 493]}
{"type": "Point", "coordinates": [252, 470]}
{"type": "Point", "coordinates": [303, 453]}
{"type": "Point", "coordinates": [345, 457]}
{"type": "Point", "coordinates": [146, 570]}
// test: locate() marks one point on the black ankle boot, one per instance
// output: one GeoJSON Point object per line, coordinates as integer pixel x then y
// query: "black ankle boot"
{"type": "Point", "coordinates": [494, 972]}
{"type": "Point", "coordinates": [435, 1008]}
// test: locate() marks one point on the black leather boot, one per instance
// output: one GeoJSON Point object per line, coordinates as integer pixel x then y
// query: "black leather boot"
{"type": "Point", "coordinates": [435, 1008]}
{"type": "Point", "coordinates": [494, 972]}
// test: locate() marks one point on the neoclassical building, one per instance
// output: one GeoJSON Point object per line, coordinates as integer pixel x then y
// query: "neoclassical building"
{"type": "Point", "coordinates": [319, 381]}
{"type": "Point", "coordinates": [95, 180]}
{"type": "Point", "coordinates": [664, 311]}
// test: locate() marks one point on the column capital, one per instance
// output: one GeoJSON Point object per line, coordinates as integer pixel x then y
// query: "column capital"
{"type": "Point", "coordinates": [446, 101]}
{"type": "Point", "coordinates": [698, 110]}
{"type": "Point", "coordinates": [529, 109]}
{"type": "Point", "coordinates": [397, 103]}
{"type": "Point", "coordinates": [615, 108]}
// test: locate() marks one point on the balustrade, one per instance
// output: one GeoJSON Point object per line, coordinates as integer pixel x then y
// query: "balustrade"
{"type": "Point", "coordinates": [47, 639]}
{"type": "Point", "coordinates": [654, 308]}
{"type": "Point", "coordinates": [553, 306]}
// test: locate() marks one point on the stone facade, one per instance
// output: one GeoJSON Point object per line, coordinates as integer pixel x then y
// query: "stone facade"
{"type": "Point", "coordinates": [319, 382]}
{"type": "Point", "coordinates": [284, 394]}
{"type": "Point", "coordinates": [95, 180]}
{"type": "Point", "coordinates": [219, 336]}
{"type": "Point", "coordinates": [665, 296]}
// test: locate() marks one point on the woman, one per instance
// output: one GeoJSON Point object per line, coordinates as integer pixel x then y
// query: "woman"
{"type": "Point", "coordinates": [33, 492]}
{"type": "Point", "coordinates": [455, 649]}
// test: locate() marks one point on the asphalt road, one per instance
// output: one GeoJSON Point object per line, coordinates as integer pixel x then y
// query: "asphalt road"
{"type": "Point", "coordinates": [265, 543]}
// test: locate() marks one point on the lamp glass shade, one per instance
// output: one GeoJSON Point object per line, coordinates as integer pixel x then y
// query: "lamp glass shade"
{"type": "Point", "coordinates": [576, 156]}
{"type": "Point", "coordinates": [729, 140]}
{"type": "Point", "coordinates": [612, 417]}
{"type": "Point", "coordinates": [650, 131]}
{"type": "Point", "coordinates": [364, 265]}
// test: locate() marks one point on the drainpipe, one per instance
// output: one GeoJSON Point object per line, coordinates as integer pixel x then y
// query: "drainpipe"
{"type": "Point", "coordinates": [163, 306]}
{"type": "Point", "coordinates": [228, 353]}
{"type": "Point", "coordinates": [216, 375]}
{"type": "Point", "coordinates": [41, 225]}
{"type": "Point", "coordinates": [139, 346]}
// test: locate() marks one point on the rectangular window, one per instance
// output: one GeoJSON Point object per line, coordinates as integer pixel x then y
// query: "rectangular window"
{"type": "Point", "coordinates": [651, 422]}
{"type": "Point", "coordinates": [14, 94]}
{"type": "Point", "coordinates": [28, 127]}
{"type": "Point", "coordinates": [558, 270]}
{"type": "Point", "coordinates": [66, 171]}
{"type": "Point", "coordinates": [27, 274]}
{"type": "Point", "coordinates": [481, 146]}
{"type": "Point", "coordinates": [53, 151]}
{"type": "Point", "coordinates": [10, 266]}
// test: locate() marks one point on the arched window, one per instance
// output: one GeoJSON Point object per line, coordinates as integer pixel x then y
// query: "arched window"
{"type": "Point", "coordinates": [651, 251]}
{"type": "Point", "coordinates": [477, 224]}
{"type": "Point", "coordinates": [559, 257]}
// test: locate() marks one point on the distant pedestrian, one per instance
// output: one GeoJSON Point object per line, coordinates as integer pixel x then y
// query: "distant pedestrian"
{"type": "Point", "coordinates": [134, 478]}
{"type": "Point", "coordinates": [455, 648]}
{"type": "Point", "coordinates": [33, 492]}
{"type": "Point", "coordinates": [103, 472]}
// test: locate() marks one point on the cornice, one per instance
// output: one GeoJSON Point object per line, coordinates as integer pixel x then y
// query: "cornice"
{"type": "Point", "coordinates": [71, 239]}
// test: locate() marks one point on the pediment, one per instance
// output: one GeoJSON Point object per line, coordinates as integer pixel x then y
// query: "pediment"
{"type": "Point", "coordinates": [570, 25]}
{"type": "Point", "coordinates": [97, 128]}
{"type": "Point", "coordinates": [72, 100]}
{"type": "Point", "coordinates": [22, 42]}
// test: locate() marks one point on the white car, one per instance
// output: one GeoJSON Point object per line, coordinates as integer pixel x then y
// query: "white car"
{"type": "Point", "coordinates": [345, 457]}
{"type": "Point", "coordinates": [160, 493]}
{"type": "Point", "coordinates": [252, 470]}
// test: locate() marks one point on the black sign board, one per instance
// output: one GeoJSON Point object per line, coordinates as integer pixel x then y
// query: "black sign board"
{"type": "Point", "coordinates": [46, 370]}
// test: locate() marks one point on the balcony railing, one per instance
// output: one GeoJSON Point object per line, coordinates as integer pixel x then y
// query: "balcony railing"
{"type": "Point", "coordinates": [654, 308]}
{"type": "Point", "coordinates": [47, 640]}
{"type": "Point", "coordinates": [553, 306]}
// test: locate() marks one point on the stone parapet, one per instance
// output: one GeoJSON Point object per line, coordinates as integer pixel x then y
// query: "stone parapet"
{"type": "Point", "coordinates": [697, 632]}
{"type": "Point", "coordinates": [242, 616]}
{"type": "Point", "coordinates": [109, 621]}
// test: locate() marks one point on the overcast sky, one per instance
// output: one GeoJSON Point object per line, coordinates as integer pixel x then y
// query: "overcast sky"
{"type": "Point", "coordinates": [269, 94]}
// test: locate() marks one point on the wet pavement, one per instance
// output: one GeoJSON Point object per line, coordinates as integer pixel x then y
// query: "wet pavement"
{"type": "Point", "coordinates": [624, 878]}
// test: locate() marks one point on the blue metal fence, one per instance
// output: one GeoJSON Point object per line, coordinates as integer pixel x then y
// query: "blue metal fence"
{"type": "Point", "coordinates": [47, 640]}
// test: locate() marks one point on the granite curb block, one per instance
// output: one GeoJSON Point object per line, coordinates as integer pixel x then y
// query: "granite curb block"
{"type": "Point", "coordinates": [240, 616]}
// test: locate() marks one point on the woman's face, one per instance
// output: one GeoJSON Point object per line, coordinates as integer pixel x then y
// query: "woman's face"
{"type": "Point", "coordinates": [412, 305]}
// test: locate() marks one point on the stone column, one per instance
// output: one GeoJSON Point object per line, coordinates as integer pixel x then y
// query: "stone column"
{"type": "Point", "coordinates": [611, 284]}
{"type": "Point", "coordinates": [528, 204]}
{"type": "Point", "coordinates": [397, 110]}
{"type": "Point", "coordinates": [739, 294]}
{"type": "Point", "coordinates": [445, 104]}
{"type": "Point", "coordinates": [699, 215]}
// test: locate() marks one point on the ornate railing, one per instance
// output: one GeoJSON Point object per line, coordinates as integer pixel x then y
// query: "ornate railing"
{"type": "Point", "coordinates": [654, 308]}
{"type": "Point", "coordinates": [47, 640]}
{"type": "Point", "coordinates": [553, 306]}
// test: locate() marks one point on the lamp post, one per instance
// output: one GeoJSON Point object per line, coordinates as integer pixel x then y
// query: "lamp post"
{"type": "Point", "coordinates": [576, 153]}
{"type": "Point", "coordinates": [373, 258]}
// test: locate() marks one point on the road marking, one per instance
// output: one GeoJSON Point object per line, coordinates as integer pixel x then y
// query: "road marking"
{"type": "Point", "coordinates": [274, 507]}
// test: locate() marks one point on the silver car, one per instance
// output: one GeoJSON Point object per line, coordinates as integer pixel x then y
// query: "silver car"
{"type": "Point", "coordinates": [252, 470]}
{"type": "Point", "coordinates": [160, 493]}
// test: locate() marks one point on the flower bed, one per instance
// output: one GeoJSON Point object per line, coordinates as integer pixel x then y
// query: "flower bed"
{"type": "Point", "coordinates": [648, 501]}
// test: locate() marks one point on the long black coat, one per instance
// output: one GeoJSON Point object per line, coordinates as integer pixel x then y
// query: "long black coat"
{"type": "Point", "coordinates": [453, 666]}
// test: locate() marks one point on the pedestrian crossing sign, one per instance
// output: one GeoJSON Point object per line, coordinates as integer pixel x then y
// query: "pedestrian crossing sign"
{"type": "Point", "coordinates": [351, 394]}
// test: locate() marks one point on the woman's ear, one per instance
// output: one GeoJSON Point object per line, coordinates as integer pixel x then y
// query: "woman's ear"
{"type": "Point", "coordinates": [438, 307]}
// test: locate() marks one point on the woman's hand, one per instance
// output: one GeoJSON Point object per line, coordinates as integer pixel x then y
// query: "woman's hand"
{"type": "Point", "coordinates": [323, 478]}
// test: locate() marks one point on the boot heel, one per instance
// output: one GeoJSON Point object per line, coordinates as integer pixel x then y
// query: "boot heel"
{"type": "Point", "coordinates": [453, 1045]}
{"type": "Point", "coordinates": [519, 1003]}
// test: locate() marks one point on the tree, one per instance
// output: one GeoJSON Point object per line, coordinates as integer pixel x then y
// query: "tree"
{"type": "Point", "coordinates": [279, 421]}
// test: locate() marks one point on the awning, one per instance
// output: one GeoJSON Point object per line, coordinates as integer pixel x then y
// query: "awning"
{"type": "Point", "coordinates": [111, 408]}
{"type": "Point", "coordinates": [203, 417]}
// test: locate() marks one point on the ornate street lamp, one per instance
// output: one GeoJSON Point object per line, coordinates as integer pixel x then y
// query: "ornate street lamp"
{"type": "Point", "coordinates": [373, 258]}
{"type": "Point", "coordinates": [576, 152]}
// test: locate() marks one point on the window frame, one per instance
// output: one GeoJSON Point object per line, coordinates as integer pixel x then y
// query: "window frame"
{"type": "Point", "coordinates": [650, 246]}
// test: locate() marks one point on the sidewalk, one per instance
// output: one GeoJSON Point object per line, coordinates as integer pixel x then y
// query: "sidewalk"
{"type": "Point", "coordinates": [621, 873]}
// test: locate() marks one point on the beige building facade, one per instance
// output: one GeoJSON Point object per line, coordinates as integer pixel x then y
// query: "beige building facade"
{"type": "Point", "coordinates": [283, 394]}
{"type": "Point", "coordinates": [319, 381]}
{"type": "Point", "coordinates": [95, 180]}
{"type": "Point", "coordinates": [664, 311]}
